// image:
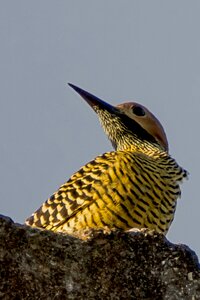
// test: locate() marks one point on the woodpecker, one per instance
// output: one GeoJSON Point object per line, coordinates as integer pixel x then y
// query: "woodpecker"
{"type": "Point", "coordinates": [135, 186]}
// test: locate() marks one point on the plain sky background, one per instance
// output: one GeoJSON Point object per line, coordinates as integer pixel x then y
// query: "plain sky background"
{"type": "Point", "coordinates": [146, 51]}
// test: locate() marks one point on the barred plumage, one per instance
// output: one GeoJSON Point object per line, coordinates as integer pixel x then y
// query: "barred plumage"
{"type": "Point", "coordinates": [136, 186]}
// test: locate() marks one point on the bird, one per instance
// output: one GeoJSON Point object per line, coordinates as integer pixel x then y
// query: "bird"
{"type": "Point", "coordinates": [135, 186]}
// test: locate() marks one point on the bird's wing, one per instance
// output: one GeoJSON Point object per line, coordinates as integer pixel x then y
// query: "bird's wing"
{"type": "Point", "coordinates": [84, 187]}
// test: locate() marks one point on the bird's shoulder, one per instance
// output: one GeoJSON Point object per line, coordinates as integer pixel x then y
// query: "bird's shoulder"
{"type": "Point", "coordinates": [119, 163]}
{"type": "Point", "coordinates": [105, 163]}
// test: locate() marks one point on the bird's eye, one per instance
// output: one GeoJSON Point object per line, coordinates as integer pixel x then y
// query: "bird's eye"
{"type": "Point", "coordinates": [138, 111]}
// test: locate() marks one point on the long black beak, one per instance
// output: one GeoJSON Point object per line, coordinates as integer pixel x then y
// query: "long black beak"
{"type": "Point", "coordinates": [93, 101]}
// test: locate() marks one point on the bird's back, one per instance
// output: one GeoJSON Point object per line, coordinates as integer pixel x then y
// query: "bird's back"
{"type": "Point", "coordinates": [121, 189]}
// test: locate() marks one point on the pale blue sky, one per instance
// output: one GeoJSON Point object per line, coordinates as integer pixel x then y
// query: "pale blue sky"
{"type": "Point", "coordinates": [146, 51]}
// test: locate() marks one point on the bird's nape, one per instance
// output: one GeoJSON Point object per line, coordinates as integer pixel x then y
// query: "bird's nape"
{"type": "Point", "coordinates": [147, 120]}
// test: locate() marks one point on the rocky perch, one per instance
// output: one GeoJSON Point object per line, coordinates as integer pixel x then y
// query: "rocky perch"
{"type": "Point", "coordinates": [38, 264]}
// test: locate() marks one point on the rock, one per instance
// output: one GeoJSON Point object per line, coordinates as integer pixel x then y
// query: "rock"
{"type": "Point", "coordinates": [37, 264]}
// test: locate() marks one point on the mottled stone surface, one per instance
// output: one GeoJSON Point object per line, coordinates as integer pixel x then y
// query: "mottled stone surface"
{"type": "Point", "coordinates": [43, 265]}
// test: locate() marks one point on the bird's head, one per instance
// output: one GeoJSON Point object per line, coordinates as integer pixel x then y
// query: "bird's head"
{"type": "Point", "coordinates": [127, 124]}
